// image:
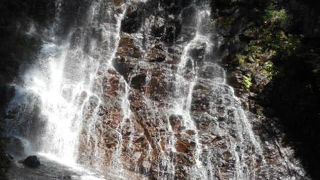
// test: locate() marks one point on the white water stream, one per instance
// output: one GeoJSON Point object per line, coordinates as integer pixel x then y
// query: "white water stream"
{"type": "Point", "coordinates": [64, 81]}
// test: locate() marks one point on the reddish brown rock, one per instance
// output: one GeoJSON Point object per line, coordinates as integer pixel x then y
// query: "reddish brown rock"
{"type": "Point", "coordinates": [184, 146]}
{"type": "Point", "coordinates": [111, 84]}
{"type": "Point", "coordinates": [175, 122]}
{"type": "Point", "coordinates": [156, 54]}
{"type": "Point", "coordinates": [127, 47]}
{"type": "Point", "coordinates": [118, 2]}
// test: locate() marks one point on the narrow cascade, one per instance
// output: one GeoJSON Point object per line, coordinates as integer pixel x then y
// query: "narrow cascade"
{"type": "Point", "coordinates": [134, 89]}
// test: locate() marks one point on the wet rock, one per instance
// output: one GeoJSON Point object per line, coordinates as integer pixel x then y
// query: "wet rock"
{"type": "Point", "coordinates": [123, 66]}
{"type": "Point", "coordinates": [138, 81]}
{"type": "Point", "coordinates": [189, 16]}
{"type": "Point", "coordinates": [184, 160]}
{"type": "Point", "coordinates": [180, 3]}
{"type": "Point", "coordinates": [185, 146]}
{"type": "Point", "coordinates": [212, 71]}
{"type": "Point", "coordinates": [156, 54]}
{"type": "Point", "coordinates": [203, 123]}
{"type": "Point", "coordinates": [159, 85]}
{"type": "Point", "coordinates": [111, 84]}
{"type": "Point", "coordinates": [127, 47]}
{"type": "Point", "coordinates": [200, 101]}
{"type": "Point", "coordinates": [198, 52]}
{"type": "Point", "coordinates": [66, 177]}
{"type": "Point", "coordinates": [113, 117]}
{"type": "Point", "coordinates": [15, 146]}
{"type": "Point", "coordinates": [118, 2]}
{"type": "Point", "coordinates": [133, 19]}
{"type": "Point", "coordinates": [172, 31]}
{"type": "Point", "coordinates": [175, 122]}
{"type": "Point", "coordinates": [5, 161]}
{"type": "Point", "coordinates": [158, 27]}
{"type": "Point", "coordinates": [31, 161]}
{"type": "Point", "coordinates": [260, 81]}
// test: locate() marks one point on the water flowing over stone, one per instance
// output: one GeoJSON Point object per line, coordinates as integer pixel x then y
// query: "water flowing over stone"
{"type": "Point", "coordinates": [135, 88]}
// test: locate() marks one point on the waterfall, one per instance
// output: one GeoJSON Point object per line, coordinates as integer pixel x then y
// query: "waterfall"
{"type": "Point", "coordinates": [111, 94]}
{"type": "Point", "coordinates": [64, 81]}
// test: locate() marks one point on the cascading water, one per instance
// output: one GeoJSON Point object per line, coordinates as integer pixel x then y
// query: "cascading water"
{"type": "Point", "coordinates": [64, 83]}
{"type": "Point", "coordinates": [135, 89]}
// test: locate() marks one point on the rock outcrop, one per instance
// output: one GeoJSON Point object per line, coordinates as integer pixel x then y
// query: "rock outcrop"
{"type": "Point", "coordinates": [31, 161]}
{"type": "Point", "coordinates": [167, 109]}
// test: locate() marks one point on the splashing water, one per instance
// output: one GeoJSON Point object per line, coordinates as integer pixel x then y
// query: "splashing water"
{"type": "Point", "coordinates": [63, 83]}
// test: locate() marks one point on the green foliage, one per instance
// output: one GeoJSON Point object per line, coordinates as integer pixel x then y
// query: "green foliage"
{"type": "Point", "coordinates": [241, 59]}
{"type": "Point", "coordinates": [279, 41]}
{"type": "Point", "coordinates": [247, 82]}
{"type": "Point", "coordinates": [254, 50]}
{"type": "Point", "coordinates": [272, 34]}
{"type": "Point", "coordinates": [273, 15]}
{"type": "Point", "coordinates": [269, 70]}
{"type": "Point", "coordinates": [225, 23]}
{"type": "Point", "coordinates": [269, 43]}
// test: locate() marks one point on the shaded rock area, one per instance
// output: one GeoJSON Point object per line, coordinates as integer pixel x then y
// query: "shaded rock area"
{"type": "Point", "coordinates": [31, 161]}
{"type": "Point", "coordinates": [18, 21]}
{"type": "Point", "coordinates": [134, 19]}
{"type": "Point", "coordinates": [5, 163]}
{"type": "Point", "coordinates": [279, 84]}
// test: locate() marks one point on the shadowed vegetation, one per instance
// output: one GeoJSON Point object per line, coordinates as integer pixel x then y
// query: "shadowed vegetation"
{"type": "Point", "coordinates": [274, 55]}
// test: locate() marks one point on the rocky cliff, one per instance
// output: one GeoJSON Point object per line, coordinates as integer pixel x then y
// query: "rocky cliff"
{"type": "Point", "coordinates": [141, 87]}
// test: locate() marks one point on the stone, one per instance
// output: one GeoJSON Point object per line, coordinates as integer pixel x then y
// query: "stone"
{"type": "Point", "coordinates": [133, 19]}
{"type": "Point", "coordinates": [156, 54]}
{"type": "Point", "coordinates": [5, 161]}
{"type": "Point", "coordinates": [184, 146]}
{"type": "Point", "coordinates": [158, 27]}
{"type": "Point", "coordinates": [138, 81]}
{"type": "Point", "coordinates": [198, 52]}
{"type": "Point", "coordinates": [118, 2]}
{"type": "Point", "coordinates": [172, 32]}
{"type": "Point", "coordinates": [189, 16]}
{"type": "Point", "coordinates": [127, 47]}
{"type": "Point", "coordinates": [175, 122]}
{"type": "Point", "coordinates": [65, 177]}
{"type": "Point", "coordinates": [31, 161]}
{"type": "Point", "coordinates": [15, 146]}
{"type": "Point", "coordinates": [159, 85]}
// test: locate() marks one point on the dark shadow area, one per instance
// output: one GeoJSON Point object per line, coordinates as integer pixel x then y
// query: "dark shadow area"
{"type": "Point", "coordinates": [292, 98]}
{"type": "Point", "coordinates": [294, 95]}
{"type": "Point", "coordinates": [18, 49]}
{"type": "Point", "coordinates": [24, 27]}
{"type": "Point", "coordinates": [294, 92]}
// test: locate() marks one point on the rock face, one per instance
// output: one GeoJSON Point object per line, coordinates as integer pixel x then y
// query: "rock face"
{"type": "Point", "coordinates": [5, 163]}
{"type": "Point", "coordinates": [141, 90]}
{"type": "Point", "coordinates": [167, 109]}
{"type": "Point", "coordinates": [31, 161]}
